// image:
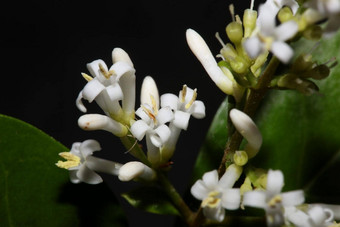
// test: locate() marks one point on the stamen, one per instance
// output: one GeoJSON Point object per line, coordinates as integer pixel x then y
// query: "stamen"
{"type": "Point", "coordinates": [232, 11]}
{"type": "Point", "coordinates": [149, 113]}
{"type": "Point", "coordinates": [218, 37]}
{"type": "Point", "coordinates": [154, 104]}
{"type": "Point", "coordinates": [238, 19]}
{"type": "Point", "coordinates": [251, 4]}
{"type": "Point", "coordinates": [194, 96]}
{"type": "Point", "coordinates": [71, 160]}
{"type": "Point", "coordinates": [276, 199]}
{"type": "Point", "coordinates": [184, 93]}
{"type": "Point", "coordinates": [87, 77]}
{"type": "Point", "coordinates": [107, 74]}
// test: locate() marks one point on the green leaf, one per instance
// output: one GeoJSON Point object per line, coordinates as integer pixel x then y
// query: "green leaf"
{"type": "Point", "coordinates": [211, 152]}
{"type": "Point", "coordinates": [301, 133]}
{"type": "Point", "coordinates": [151, 199]}
{"type": "Point", "coordinates": [34, 192]}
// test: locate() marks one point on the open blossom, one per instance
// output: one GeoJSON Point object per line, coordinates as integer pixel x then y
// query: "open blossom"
{"type": "Point", "coordinates": [82, 165]}
{"type": "Point", "coordinates": [109, 86]}
{"type": "Point", "coordinates": [269, 36]}
{"type": "Point", "coordinates": [217, 195]}
{"type": "Point", "coordinates": [152, 123]}
{"type": "Point", "coordinates": [272, 200]}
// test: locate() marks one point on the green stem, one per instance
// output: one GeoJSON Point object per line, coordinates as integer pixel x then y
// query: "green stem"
{"type": "Point", "coordinates": [187, 214]}
{"type": "Point", "coordinates": [132, 146]}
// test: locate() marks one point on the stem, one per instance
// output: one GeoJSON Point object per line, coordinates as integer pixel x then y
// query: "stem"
{"type": "Point", "coordinates": [254, 99]}
{"type": "Point", "coordinates": [187, 214]}
{"type": "Point", "coordinates": [132, 146]}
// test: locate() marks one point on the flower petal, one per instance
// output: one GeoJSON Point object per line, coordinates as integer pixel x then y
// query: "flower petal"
{"type": "Point", "coordinates": [319, 215]}
{"type": "Point", "coordinates": [164, 115]}
{"type": "Point", "coordinates": [88, 176]}
{"type": "Point", "coordinates": [199, 190]}
{"type": "Point", "coordinates": [93, 68]}
{"type": "Point", "coordinates": [231, 198]}
{"type": "Point", "coordinates": [88, 147]}
{"type": "Point", "coordinates": [214, 213]}
{"type": "Point", "coordinates": [253, 47]}
{"type": "Point", "coordinates": [79, 102]}
{"type": "Point", "coordinates": [114, 92]}
{"type": "Point", "coordinates": [197, 109]}
{"type": "Point", "coordinates": [139, 128]}
{"type": "Point", "coordinates": [297, 217]}
{"type": "Point", "coordinates": [293, 198]}
{"type": "Point", "coordinates": [210, 179]}
{"type": "Point", "coordinates": [161, 135]}
{"type": "Point", "coordinates": [118, 54]}
{"type": "Point", "coordinates": [181, 119]}
{"type": "Point", "coordinates": [274, 182]}
{"type": "Point", "coordinates": [282, 51]}
{"type": "Point", "coordinates": [92, 89]}
{"type": "Point", "coordinates": [286, 30]}
{"type": "Point", "coordinates": [255, 199]}
{"type": "Point", "coordinates": [170, 100]}
{"type": "Point", "coordinates": [231, 175]}
{"type": "Point", "coordinates": [73, 177]}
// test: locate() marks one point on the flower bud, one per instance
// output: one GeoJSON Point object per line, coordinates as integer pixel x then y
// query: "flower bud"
{"type": "Point", "coordinates": [285, 14]}
{"type": "Point", "coordinates": [249, 21]}
{"type": "Point", "coordinates": [235, 32]}
{"type": "Point", "coordinates": [240, 158]}
{"type": "Point", "coordinates": [134, 170]}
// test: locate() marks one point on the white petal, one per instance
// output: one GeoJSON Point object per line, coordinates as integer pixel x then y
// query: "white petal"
{"type": "Point", "coordinates": [181, 119]}
{"type": "Point", "coordinates": [210, 179]}
{"type": "Point", "coordinates": [286, 30]}
{"type": "Point", "coordinates": [170, 100]}
{"type": "Point", "coordinates": [149, 88]}
{"type": "Point", "coordinates": [231, 175]}
{"type": "Point", "coordinates": [318, 215]}
{"type": "Point", "coordinates": [164, 115]}
{"type": "Point", "coordinates": [118, 54]}
{"type": "Point", "coordinates": [198, 109]}
{"type": "Point", "coordinates": [103, 165]}
{"type": "Point", "coordinates": [92, 89]}
{"type": "Point", "coordinates": [88, 147]}
{"type": "Point", "coordinates": [75, 149]}
{"type": "Point", "coordinates": [102, 122]}
{"type": "Point", "coordinates": [199, 190]}
{"type": "Point", "coordinates": [73, 177]}
{"type": "Point", "coordinates": [293, 5]}
{"type": "Point", "coordinates": [204, 55]}
{"type": "Point", "coordinates": [334, 208]}
{"type": "Point", "coordinates": [114, 92]}
{"type": "Point", "coordinates": [274, 182]}
{"type": "Point", "coordinates": [253, 47]}
{"type": "Point", "coordinates": [231, 199]}
{"type": "Point", "coordinates": [133, 170]}
{"type": "Point", "coordinates": [79, 103]}
{"type": "Point", "coordinates": [282, 51]}
{"type": "Point", "coordinates": [139, 128]}
{"type": "Point", "coordinates": [255, 199]}
{"type": "Point", "coordinates": [93, 68]}
{"type": "Point", "coordinates": [153, 152]}
{"type": "Point", "coordinates": [297, 217]}
{"type": "Point", "coordinates": [88, 176]}
{"type": "Point", "coordinates": [214, 213]}
{"type": "Point", "coordinates": [293, 198]}
{"type": "Point", "coordinates": [144, 116]}
{"type": "Point", "coordinates": [163, 133]}
{"type": "Point", "coordinates": [266, 19]}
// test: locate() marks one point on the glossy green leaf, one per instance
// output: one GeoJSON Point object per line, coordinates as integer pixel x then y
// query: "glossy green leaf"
{"type": "Point", "coordinates": [151, 199]}
{"type": "Point", "coordinates": [34, 192]}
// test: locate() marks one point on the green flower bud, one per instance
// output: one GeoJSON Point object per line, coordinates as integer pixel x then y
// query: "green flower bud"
{"type": "Point", "coordinates": [228, 51]}
{"type": "Point", "coordinates": [302, 63]}
{"type": "Point", "coordinates": [318, 73]}
{"type": "Point", "coordinates": [235, 32]}
{"type": "Point", "coordinates": [240, 158]}
{"type": "Point", "coordinates": [239, 65]}
{"type": "Point", "coordinates": [249, 21]}
{"type": "Point", "coordinates": [285, 14]}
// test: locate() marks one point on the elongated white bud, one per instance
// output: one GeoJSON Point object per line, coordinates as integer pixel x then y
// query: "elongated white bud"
{"type": "Point", "coordinates": [118, 54]}
{"type": "Point", "coordinates": [101, 122]}
{"type": "Point", "coordinates": [204, 55]}
{"type": "Point", "coordinates": [149, 93]}
{"type": "Point", "coordinates": [248, 129]}
{"type": "Point", "coordinates": [133, 170]}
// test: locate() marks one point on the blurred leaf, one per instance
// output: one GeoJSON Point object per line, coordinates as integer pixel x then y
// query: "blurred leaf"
{"type": "Point", "coordinates": [301, 133]}
{"type": "Point", "coordinates": [151, 199]}
{"type": "Point", "coordinates": [211, 152]}
{"type": "Point", "coordinates": [34, 192]}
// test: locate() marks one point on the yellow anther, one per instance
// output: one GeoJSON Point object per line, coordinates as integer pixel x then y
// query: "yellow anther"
{"type": "Point", "coordinates": [184, 93]}
{"type": "Point", "coordinates": [194, 96]}
{"type": "Point", "coordinates": [87, 77]}
{"type": "Point", "coordinates": [276, 199]}
{"type": "Point", "coordinates": [106, 73]}
{"type": "Point", "coordinates": [149, 113]}
{"type": "Point", "coordinates": [212, 200]}
{"type": "Point", "coordinates": [71, 160]}
{"type": "Point", "coordinates": [154, 104]}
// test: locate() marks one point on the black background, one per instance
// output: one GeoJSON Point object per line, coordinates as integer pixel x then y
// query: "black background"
{"type": "Point", "coordinates": [45, 45]}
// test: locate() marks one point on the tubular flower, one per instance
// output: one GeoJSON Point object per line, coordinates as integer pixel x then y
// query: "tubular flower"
{"type": "Point", "coordinates": [218, 194]}
{"type": "Point", "coordinates": [136, 170]}
{"type": "Point", "coordinates": [268, 36]}
{"type": "Point", "coordinates": [272, 200]}
{"type": "Point", "coordinates": [109, 86]}
{"type": "Point", "coordinates": [81, 163]}
{"type": "Point", "coordinates": [153, 121]}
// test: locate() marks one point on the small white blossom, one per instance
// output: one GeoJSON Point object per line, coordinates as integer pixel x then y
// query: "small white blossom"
{"type": "Point", "coordinates": [136, 170]}
{"type": "Point", "coordinates": [109, 86]}
{"type": "Point", "coordinates": [272, 200]}
{"type": "Point", "coordinates": [268, 36]}
{"type": "Point", "coordinates": [81, 163]}
{"type": "Point", "coordinates": [218, 194]}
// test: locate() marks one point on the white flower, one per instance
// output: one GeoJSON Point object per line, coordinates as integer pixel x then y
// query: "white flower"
{"type": "Point", "coordinates": [248, 129]}
{"type": "Point", "coordinates": [268, 36]}
{"type": "Point", "coordinates": [153, 121]}
{"type": "Point", "coordinates": [109, 86]}
{"type": "Point", "coordinates": [81, 163]}
{"type": "Point", "coordinates": [272, 200]}
{"type": "Point", "coordinates": [136, 170]}
{"type": "Point", "coordinates": [204, 55]}
{"type": "Point", "coordinates": [218, 194]}
{"type": "Point", "coordinates": [329, 9]}
{"type": "Point", "coordinates": [315, 216]}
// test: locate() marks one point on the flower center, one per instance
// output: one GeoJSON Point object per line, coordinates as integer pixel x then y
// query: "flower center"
{"type": "Point", "coordinates": [184, 93]}
{"type": "Point", "coordinates": [71, 160]}
{"type": "Point", "coordinates": [106, 73]}
{"type": "Point", "coordinates": [275, 200]}
{"type": "Point", "coordinates": [212, 200]}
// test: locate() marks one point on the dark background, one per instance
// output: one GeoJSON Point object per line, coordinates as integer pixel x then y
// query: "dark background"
{"type": "Point", "coordinates": [45, 45]}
